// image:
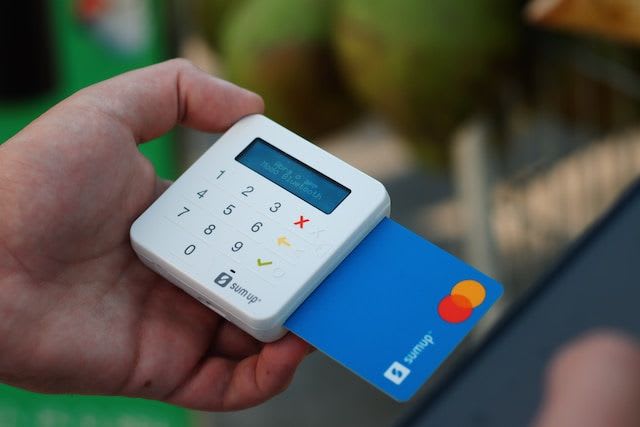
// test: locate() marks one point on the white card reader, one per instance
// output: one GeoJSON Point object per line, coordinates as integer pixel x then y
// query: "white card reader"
{"type": "Point", "coordinates": [257, 223]}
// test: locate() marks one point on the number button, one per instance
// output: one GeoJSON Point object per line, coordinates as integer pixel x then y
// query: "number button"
{"type": "Point", "coordinates": [275, 207]}
{"type": "Point", "coordinates": [202, 193]}
{"type": "Point", "coordinates": [186, 248]}
{"type": "Point", "coordinates": [184, 210]}
{"type": "Point", "coordinates": [247, 190]}
{"type": "Point", "coordinates": [193, 221]}
{"type": "Point", "coordinates": [254, 226]}
{"type": "Point", "coordinates": [239, 249]}
{"type": "Point", "coordinates": [229, 209]}
{"type": "Point", "coordinates": [209, 229]}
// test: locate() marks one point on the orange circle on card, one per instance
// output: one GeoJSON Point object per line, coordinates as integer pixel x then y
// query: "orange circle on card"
{"type": "Point", "coordinates": [471, 290]}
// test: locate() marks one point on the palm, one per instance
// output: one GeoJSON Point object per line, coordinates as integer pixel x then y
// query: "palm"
{"type": "Point", "coordinates": [92, 318]}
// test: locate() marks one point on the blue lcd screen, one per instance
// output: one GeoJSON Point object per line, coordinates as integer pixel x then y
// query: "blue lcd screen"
{"type": "Point", "coordinates": [294, 176]}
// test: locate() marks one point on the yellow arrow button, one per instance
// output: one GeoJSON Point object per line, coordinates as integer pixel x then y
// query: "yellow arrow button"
{"type": "Point", "coordinates": [282, 240]}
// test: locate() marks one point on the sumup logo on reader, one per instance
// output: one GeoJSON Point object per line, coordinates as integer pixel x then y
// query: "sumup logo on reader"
{"type": "Point", "coordinates": [223, 279]}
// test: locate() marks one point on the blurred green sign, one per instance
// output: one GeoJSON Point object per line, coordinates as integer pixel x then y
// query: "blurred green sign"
{"type": "Point", "coordinates": [90, 41]}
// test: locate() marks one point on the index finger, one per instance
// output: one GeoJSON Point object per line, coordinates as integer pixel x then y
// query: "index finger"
{"type": "Point", "coordinates": [221, 384]}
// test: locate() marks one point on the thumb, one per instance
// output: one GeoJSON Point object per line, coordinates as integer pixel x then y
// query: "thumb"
{"type": "Point", "coordinates": [594, 382]}
{"type": "Point", "coordinates": [161, 186]}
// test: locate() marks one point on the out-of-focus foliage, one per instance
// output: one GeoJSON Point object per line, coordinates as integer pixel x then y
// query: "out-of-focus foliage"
{"type": "Point", "coordinates": [209, 17]}
{"type": "Point", "coordinates": [425, 65]}
{"type": "Point", "coordinates": [282, 50]}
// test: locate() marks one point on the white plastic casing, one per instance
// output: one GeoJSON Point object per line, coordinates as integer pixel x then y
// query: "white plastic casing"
{"type": "Point", "coordinates": [258, 286]}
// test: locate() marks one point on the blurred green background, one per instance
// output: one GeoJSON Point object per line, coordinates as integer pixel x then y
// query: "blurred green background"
{"type": "Point", "coordinates": [498, 140]}
{"type": "Point", "coordinates": [74, 50]}
{"type": "Point", "coordinates": [74, 54]}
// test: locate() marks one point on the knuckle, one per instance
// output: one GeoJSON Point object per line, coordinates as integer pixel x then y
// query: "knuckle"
{"type": "Point", "coordinates": [181, 64]}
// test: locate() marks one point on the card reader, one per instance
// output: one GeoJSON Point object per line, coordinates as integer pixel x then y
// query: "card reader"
{"type": "Point", "coordinates": [256, 224]}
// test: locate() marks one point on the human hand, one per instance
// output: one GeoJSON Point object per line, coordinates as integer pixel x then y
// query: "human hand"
{"type": "Point", "coordinates": [594, 382]}
{"type": "Point", "coordinates": [79, 312]}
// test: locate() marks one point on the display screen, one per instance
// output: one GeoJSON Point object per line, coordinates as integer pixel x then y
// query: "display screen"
{"type": "Point", "coordinates": [294, 176]}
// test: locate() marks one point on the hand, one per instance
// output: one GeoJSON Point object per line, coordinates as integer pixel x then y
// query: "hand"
{"type": "Point", "coordinates": [79, 313]}
{"type": "Point", "coordinates": [594, 382]}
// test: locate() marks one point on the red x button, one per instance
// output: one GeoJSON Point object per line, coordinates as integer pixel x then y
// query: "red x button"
{"type": "Point", "coordinates": [301, 221]}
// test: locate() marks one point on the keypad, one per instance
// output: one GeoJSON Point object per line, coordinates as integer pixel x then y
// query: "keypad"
{"type": "Point", "coordinates": [234, 221]}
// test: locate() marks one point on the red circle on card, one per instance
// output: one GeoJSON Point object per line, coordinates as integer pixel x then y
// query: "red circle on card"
{"type": "Point", "coordinates": [455, 308]}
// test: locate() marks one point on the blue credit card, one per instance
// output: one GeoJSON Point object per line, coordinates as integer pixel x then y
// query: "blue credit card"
{"type": "Point", "coordinates": [394, 309]}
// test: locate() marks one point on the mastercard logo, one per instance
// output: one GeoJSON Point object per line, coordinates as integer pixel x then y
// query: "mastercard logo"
{"type": "Point", "coordinates": [459, 304]}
